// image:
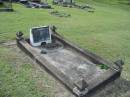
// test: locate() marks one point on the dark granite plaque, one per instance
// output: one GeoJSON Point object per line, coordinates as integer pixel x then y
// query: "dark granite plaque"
{"type": "Point", "coordinates": [41, 34]}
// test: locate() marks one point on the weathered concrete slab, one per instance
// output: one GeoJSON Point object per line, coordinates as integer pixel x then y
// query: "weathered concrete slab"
{"type": "Point", "coordinates": [73, 66]}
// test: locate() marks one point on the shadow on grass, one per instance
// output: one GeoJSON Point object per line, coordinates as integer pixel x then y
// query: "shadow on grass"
{"type": "Point", "coordinates": [118, 88]}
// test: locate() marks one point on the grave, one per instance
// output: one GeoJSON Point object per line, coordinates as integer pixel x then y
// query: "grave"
{"type": "Point", "coordinates": [6, 5]}
{"type": "Point", "coordinates": [35, 4]}
{"type": "Point", "coordinates": [71, 3]}
{"type": "Point", "coordinates": [60, 14]}
{"type": "Point", "coordinates": [81, 71]}
{"type": "Point", "coordinates": [63, 2]}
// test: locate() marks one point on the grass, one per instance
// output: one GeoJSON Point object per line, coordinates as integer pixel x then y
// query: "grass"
{"type": "Point", "coordinates": [105, 32]}
{"type": "Point", "coordinates": [19, 79]}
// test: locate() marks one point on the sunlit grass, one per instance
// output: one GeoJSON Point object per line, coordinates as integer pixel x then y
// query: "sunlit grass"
{"type": "Point", "coordinates": [105, 32]}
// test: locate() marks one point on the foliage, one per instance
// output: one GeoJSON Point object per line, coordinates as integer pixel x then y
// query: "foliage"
{"type": "Point", "coordinates": [103, 66]}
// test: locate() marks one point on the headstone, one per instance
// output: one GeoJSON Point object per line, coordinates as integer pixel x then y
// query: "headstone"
{"type": "Point", "coordinates": [40, 35]}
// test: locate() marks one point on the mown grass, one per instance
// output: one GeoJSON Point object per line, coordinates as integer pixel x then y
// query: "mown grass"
{"type": "Point", "coordinates": [19, 79]}
{"type": "Point", "coordinates": [105, 32]}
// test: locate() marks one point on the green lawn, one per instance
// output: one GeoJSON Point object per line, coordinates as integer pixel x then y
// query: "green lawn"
{"type": "Point", "coordinates": [105, 32]}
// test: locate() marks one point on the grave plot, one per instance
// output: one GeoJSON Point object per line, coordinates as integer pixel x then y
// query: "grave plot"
{"type": "Point", "coordinates": [60, 14]}
{"type": "Point", "coordinates": [35, 4]}
{"type": "Point", "coordinates": [6, 5]}
{"type": "Point", "coordinates": [81, 71]}
{"type": "Point", "coordinates": [64, 3]}
{"type": "Point", "coordinates": [71, 3]}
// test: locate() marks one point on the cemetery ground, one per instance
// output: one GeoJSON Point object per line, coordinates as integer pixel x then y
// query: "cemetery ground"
{"type": "Point", "coordinates": [105, 32]}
